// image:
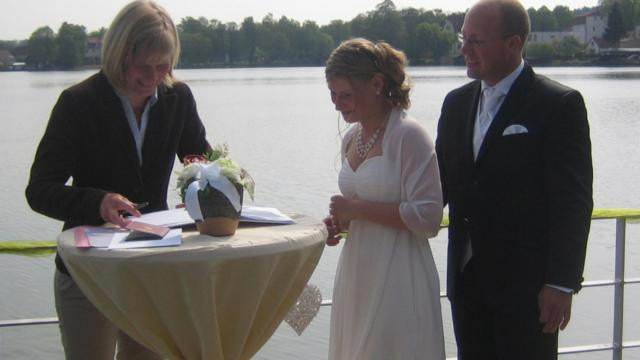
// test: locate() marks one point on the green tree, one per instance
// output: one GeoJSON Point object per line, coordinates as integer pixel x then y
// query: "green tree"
{"type": "Point", "coordinates": [539, 52]}
{"type": "Point", "coordinates": [568, 47]}
{"type": "Point", "coordinates": [533, 18]}
{"type": "Point", "coordinates": [630, 10]}
{"type": "Point", "coordinates": [412, 18]}
{"type": "Point", "coordinates": [218, 37]}
{"type": "Point", "coordinates": [233, 42]}
{"type": "Point", "coordinates": [249, 32]}
{"type": "Point", "coordinates": [433, 42]}
{"type": "Point", "coordinates": [338, 30]}
{"type": "Point", "coordinates": [8, 44]}
{"type": "Point", "coordinates": [98, 33]}
{"type": "Point", "coordinates": [386, 24]}
{"type": "Point", "coordinates": [546, 21]}
{"type": "Point", "coordinates": [196, 49]}
{"type": "Point", "coordinates": [615, 26]}
{"type": "Point", "coordinates": [72, 43]}
{"type": "Point", "coordinates": [41, 48]}
{"type": "Point", "coordinates": [563, 17]}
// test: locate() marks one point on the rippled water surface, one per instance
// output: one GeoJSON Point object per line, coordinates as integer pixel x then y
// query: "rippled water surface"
{"type": "Point", "coordinates": [280, 124]}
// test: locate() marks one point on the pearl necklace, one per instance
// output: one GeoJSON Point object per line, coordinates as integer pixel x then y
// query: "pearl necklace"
{"type": "Point", "coordinates": [363, 149]}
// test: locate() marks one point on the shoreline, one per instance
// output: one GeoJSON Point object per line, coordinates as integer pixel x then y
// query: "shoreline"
{"type": "Point", "coordinates": [535, 63]}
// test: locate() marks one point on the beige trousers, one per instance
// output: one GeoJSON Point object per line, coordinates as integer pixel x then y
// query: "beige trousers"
{"type": "Point", "coordinates": [85, 332]}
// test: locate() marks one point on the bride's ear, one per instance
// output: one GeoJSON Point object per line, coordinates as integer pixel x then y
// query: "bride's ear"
{"type": "Point", "coordinates": [377, 81]}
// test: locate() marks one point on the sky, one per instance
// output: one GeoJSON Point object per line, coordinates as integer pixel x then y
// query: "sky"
{"type": "Point", "coordinates": [19, 18]}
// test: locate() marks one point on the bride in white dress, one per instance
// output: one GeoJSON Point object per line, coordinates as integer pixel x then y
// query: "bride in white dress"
{"type": "Point", "coordinates": [386, 295]}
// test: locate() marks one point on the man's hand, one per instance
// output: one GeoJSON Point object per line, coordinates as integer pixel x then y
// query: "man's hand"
{"type": "Point", "coordinates": [112, 207]}
{"type": "Point", "coordinates": [555, 309]}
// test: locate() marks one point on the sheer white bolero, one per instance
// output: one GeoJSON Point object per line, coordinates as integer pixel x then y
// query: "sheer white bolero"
{"type": "Point", "coordinates": [410, 159]}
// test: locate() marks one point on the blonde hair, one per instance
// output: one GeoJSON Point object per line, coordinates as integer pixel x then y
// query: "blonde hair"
{"type": "Point", "coordinates": [142, 26]}
{"type": "Point", "coordinates": [360, 59]}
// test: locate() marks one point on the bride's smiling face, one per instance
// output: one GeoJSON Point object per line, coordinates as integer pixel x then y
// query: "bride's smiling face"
{"type": "Point", "coordinates": [352, 102]}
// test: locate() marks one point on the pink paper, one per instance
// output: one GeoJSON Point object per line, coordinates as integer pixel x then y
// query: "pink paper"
{"type": "Point", "coordinates": [82, 241]}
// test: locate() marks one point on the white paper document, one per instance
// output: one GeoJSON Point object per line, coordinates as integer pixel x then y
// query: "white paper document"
{"type": "Point", "coordinates": [101, 236]}
{"type": "Point", "coordinates": [264, 215]}
{"type": "Point", "coordinates": [173, 238]}
{"type": "Point", "coordinates": [180, 217]}
{"type": "Point", "coordinates": [168, 218]}
{"type": "Point", "coordinates": [115, 238]}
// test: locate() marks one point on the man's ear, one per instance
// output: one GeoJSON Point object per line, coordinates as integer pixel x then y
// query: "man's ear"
{"type": "Point", "coordinates": [516, 44]}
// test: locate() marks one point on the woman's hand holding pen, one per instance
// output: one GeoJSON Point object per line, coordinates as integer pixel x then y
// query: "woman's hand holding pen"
{"type": "Point", "coordinates": [113, 206]}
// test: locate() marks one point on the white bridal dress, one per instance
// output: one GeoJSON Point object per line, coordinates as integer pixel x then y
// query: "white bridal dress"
{"type": "Point", "coordinates": [386, 301]}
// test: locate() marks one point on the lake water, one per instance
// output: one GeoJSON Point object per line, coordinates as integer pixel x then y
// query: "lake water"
{"type": "Point", "coordinates": [281, 126]}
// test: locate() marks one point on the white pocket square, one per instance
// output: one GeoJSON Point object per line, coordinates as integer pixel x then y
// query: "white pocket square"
{"type": "Point", "coordinates": [515, 129]}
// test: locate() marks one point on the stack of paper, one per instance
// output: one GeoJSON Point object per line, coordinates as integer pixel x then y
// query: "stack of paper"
{"type": "Point", "coordinates": [155, 228]}
{"type": "Point", "coordinates": [180, 217]}
{"type": "Point", "coordinates": [118, 238]}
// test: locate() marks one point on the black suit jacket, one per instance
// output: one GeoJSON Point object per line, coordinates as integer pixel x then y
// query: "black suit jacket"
{"type": "Point", "coordinates": [88, 138]}
{"type": "Point", "coordinates": [526, 202]}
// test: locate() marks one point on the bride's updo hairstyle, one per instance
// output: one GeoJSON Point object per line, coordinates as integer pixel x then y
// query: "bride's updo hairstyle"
{"type": "Point", "coordinates": [360, 59]}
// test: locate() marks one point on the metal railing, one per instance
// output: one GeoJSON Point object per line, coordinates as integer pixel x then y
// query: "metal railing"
{"type": "Point", "coordinates": [617, 344]}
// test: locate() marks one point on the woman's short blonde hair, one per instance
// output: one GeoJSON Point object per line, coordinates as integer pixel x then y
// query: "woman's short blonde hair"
{"type": "Point", "coordinates": [360, 59]}
{"type": "Point", "coordinates": [142, 26]}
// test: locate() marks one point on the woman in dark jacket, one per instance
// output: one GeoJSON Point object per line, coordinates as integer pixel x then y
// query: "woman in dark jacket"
{"type": "Point", "coordinates": [116, 134]}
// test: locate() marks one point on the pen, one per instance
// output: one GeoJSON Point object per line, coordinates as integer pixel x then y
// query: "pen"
{"type": "Point", "coordinates": [141, 205]}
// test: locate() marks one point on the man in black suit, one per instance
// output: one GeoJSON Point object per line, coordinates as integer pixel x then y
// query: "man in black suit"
{"type": "Point", "coordinates": [515, 163]}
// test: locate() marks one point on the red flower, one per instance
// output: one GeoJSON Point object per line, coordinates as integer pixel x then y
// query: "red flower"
{"type": "Point", "coordinates": [190, 159]}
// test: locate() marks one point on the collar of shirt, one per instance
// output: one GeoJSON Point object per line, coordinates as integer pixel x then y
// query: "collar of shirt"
{"type": "Point", "coordinates": [503, 86]}
{"type": "Point", "coordinates": [501, 89]}
{"type": "Point", "coordinates": [138, 131]}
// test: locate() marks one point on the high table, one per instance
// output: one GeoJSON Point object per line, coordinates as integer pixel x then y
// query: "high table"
{"type": "Point", "coordinates": [209, 298]}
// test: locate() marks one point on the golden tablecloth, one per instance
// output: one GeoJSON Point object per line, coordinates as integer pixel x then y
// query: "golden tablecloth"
{"type": "Point", "coordinates": [209, 298]}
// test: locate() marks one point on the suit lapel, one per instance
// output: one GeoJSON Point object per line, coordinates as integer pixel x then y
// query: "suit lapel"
{"type": "Point", "coordinates": [113, 116]}
{"type": "Point", "coordinates": [159, 125]}
{"type": "Point", "coordinates": [470, 120]}
{"type": "Point", "coordinates": [508, 112]}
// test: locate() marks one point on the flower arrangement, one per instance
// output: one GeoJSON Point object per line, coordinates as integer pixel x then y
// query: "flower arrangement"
{"type": "Point", "coordinates": [211, 186]}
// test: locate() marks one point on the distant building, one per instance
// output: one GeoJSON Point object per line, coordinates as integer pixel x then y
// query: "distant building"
{"type": "Point", "coordinates": [20, 52]}
{"type": "Point", "coordinates": [630, 45]}
{"type": "Point", "coordinates": [589, 25]}
{"type": "Point", "coordinates": [448, 27]}
{"type": "Point", "coordinates": [6, 60]}
{"type": "Point", "coordinates": [585, 27]}
{"type": "Point", "coordinates": [19, 66]}
{"type": "Point", "coordinates": [598, 46]}
{"type": "Point", "coordinates": [93, 50]}
{"type": "Point", "coordinates": [547, 37]}
{"type": "Point", "coordinates": [454, 50]}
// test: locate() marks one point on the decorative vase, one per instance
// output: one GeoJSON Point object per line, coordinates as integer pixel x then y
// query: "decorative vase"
{"type": "Point", "coordinates": [220, 218]}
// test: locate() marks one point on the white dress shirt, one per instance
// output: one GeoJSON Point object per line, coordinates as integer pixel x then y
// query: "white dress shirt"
{"type": "Point", "coordinates": [491, 99]}
{"type": "Point", "coordinates": [138, 131]}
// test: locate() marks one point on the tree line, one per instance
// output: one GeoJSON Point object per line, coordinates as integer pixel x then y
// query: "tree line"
{"type": "Point", "coordinates": [426, 36]}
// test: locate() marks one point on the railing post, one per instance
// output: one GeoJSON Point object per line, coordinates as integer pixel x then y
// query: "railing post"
{"type": "Point", "coordinates": [618, 289]}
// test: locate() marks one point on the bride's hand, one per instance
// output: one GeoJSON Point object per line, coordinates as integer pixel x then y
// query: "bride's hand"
{"type": "Point", "coordinates": [342, 210]}
{"type": "Point", "coordinates": [333, 229]}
